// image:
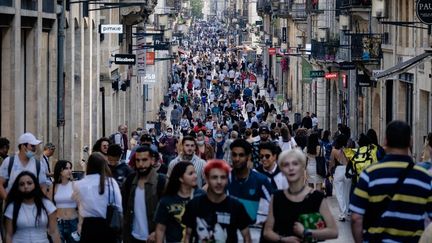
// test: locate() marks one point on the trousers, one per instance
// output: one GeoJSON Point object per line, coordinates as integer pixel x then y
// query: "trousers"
{"type": "Point", "coordinates": [342, 186]}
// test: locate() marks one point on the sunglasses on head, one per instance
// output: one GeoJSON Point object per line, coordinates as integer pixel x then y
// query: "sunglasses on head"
{"type": "Point", "coordinates": [267, 156]}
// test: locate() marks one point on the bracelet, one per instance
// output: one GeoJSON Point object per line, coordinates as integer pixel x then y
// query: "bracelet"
{"type": "Point", "coordinates": [307, 233]}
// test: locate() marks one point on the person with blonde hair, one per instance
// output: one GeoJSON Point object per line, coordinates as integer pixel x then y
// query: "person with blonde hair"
{"type": "Point", "coordinates": [291, 209]}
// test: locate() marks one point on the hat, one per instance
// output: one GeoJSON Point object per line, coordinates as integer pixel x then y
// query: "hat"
{"type": "Point", "coordinates": [264, 129]}
{"type": "Point", "coordinates": [28, 138]}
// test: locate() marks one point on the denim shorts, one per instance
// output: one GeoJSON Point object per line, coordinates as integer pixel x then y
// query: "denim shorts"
{"type": "Point", "coordinates": [66, 228]}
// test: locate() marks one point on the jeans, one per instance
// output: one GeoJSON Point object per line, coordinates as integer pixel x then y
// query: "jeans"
{"type": "Point", "coordinates": [66, 228]}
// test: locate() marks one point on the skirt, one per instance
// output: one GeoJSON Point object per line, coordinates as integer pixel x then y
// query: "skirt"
{"type": "Point", "coordinates": [97, 230]}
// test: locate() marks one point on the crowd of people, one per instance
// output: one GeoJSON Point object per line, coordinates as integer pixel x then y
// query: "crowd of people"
{"type": "Point", "coordinates": [225, 166]}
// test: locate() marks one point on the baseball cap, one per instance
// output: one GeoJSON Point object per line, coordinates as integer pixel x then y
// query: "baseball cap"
{"type": "Point", "coordinates": [264, 129]}
{"type": "Point", "coordinates": [28, 138]}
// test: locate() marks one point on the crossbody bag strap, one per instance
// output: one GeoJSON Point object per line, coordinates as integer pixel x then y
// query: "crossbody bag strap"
{"type": "Point", "coordinates": [401, 179]}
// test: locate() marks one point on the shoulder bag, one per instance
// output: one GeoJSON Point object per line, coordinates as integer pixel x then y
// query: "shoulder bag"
{"type": "Point", "coordinates": [113, 215]}
{"type": "Point", "coordinates": [321, 164]}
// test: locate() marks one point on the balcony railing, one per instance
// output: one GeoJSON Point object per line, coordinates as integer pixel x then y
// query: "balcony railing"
{"type": "Point", "coordinates": [299, 11]}
{"type": "Point", "coordinates": [29, 4]}
{"type": "Point", "coordinates": [324, 51]}
{"type": "Point", "coordinates": [48, 6]}
{"type": "Point", "coordinates": [6, 3]}
{"type": "Point", "coordinates": [356, 3]}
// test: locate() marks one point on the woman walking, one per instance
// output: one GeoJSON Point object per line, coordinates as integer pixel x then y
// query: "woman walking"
{"type": "Point", "coordinates": [292, 210]}
{"type": "Point", "coordinates": [91, 194]}
{"type": "Point", "coordinates": [180, 189]}
{"type": "Point", "coordinates": [67, 214]}
{"type": "Point", "coordinates": [313, 149]}
{"type": "Point", "coordinates": [29, 214]}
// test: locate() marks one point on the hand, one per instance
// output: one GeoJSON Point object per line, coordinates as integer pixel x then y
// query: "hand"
{"type": "Point", "coordinates": [298, 229]}
{"type": "Point", "coordinates": [151, 238]}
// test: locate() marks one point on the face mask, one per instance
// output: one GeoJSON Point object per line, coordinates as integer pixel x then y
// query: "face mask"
{"type": "Point", "coordinates": [28, 195]}
{"type": "Point", "coordinates": [169, 134]}
{"type": "Point", "coordinates": [30, 154]}
{"type": "Point", "coordinates": [135, 137]}
{"type": "Point", "coordinates": [200, 143]}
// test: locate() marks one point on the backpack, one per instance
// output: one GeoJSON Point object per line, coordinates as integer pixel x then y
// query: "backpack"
{"type": "Point", "coordinates": [111, 138]}
{"type": "Point", "coordinates": [361, 158]}
{"type": "Point", "coordinates": [10, 166]}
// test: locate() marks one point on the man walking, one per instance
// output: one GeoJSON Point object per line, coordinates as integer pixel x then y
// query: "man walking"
{"type": "Point", "coordinates": [392, 198]}
{"type": "Point", "coordinates": [215, 216]}
{"type": "Point", "coordinates": [140, 194]}
{"type": "Point", "coordinates": [307, 121]}
{"type": "Point", "coordinates": [119, 169]}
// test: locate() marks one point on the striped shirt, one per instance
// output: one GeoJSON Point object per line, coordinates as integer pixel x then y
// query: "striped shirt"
{"type": "Point", "coordinates": [403, 218]}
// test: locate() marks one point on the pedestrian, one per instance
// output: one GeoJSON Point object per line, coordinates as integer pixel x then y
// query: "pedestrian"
{"type": "Point", "coordinates": [91, 194]}
{"type": "Point", "coordinates": [216, 217]}
{"type": "Point", "coordinates": [337, 166]}
{"type": "Point", "coordinates": [67, 208]}
{"type": "Point", "coordinates": [269, 153]}
{"type": "Point", "coordinates": [24, 160]}
{"type": "Point", "coordinates": [118, 167]}
{"type": "Point", "coordinates": [101, 146]}
{"type": "Point", "coordinates": [48, 151]}
{"type": "Point", "coordinates": [252, 188]}
{"type": "Point", "coordinates": [188, 145]}
{"type": "Point", "coordinates": [299, 213]}
{"type": "Point", "coordinates": [204, 150]}
{"type": "Point", "coordinates": [141, 193]}
{"type": "Point", "coordinates": [175, 117]}
{"type": "Point", "coordinates": [4, 149]}
{"type": "Point", "coordinates": [313, 150]}
{"type": "Point", "coordinates": [405, 188]}
{"type": "Point", "coordinates": [168, 146]}
{"type": "Point", "coordinates": [286, 141]}
{"type": "Point", "coordinates": [121, 138]}
{"type": "Point", "coordinates": [307, 121]}
{"type": "Point", "coordinates": [181, 188]}
{"type": "Point", "coordinates": [29, 214]}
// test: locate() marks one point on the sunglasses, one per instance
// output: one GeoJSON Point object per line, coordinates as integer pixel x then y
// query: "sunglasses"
{"type": "Point", "coordinates": [267, 156]}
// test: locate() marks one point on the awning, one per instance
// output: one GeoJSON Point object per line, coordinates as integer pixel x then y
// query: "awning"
{"type": "Point", "coordinates": [404, 66]}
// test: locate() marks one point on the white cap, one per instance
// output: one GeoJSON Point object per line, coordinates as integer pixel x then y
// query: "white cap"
{"type": "Point", "coordinates": [28, 138]}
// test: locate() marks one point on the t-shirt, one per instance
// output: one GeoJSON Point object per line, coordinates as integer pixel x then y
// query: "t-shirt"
{"type": "Point", "coordinates": [287, 212]}
{"type": "Point", "coordinates": [250, 191]}
{"type": "Point", "coordinates": [27, 231]}
{"type": "Point", "coordinates": [215, 222]}
{"type": "Point", "coordinates": [402, 219]}
{"type": "Point", "coordinates": [140, 225]}
{"type": "Point", "coordinates": [17, 168]}
{"type": "Point", "coordinates": [169, 213]}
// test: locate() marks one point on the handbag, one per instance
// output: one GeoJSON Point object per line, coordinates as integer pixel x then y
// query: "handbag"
{"type": "Point", "coordinates": [311, 221]}
{"type": "Point", "coordinates": [114, 217]}
{"type": "Point", "coordinates": [321, 164]}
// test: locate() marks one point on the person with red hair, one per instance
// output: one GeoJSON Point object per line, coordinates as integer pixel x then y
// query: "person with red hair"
{"type": "Point", "coordinates": [216, 216]}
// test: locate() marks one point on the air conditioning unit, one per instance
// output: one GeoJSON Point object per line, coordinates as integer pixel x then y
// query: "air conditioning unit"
{"type": "Point", "coordinates": [379, 8]}
{"type": "Point", "coordinates": [344, 22]}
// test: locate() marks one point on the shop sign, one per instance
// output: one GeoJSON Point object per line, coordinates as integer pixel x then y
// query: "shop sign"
{"type": "Point", "coordinates": [125, 59]}
{"type": "Point", "coordinates": [347, 66]}
{"type": "Point", "coordinates": [331, 75]}
{"type": "Point", "coordinates": [150, 58]}
{"type": "Point", "coordinates": [111, 28]}
{"type": "Point", "coordinates": [424, 11]}
{"type": "Point", "coordinates": [317, 74]}
{"type": "Point", "coordinates": [272, 51]}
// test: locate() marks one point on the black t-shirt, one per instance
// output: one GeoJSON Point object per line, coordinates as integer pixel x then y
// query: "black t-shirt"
{"type": "Point", "coordinates": [169, 212]}
{"type": "Point", "coordinates": [215, 221]}
{"type": "Point", "coordinates": [286, 212]}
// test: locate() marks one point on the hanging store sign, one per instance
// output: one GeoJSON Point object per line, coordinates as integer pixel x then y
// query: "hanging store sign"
{"type": "Point", "coordinates": [317, 74]}
{"type": "Point", "coordinates": [347, 66]}
{"type": "Point", "coordinates": [284, 34]}
{"type": "Point", "coordinates": [111, 28]}
{"type": "Point", "coordinates": [150, 58]}
{"type": "Point", "coordinates": [363, 80]}
{"type": "Point", "coordinates": [149, 77]}
{"type": "Point", "coordinates": [125, 59]}
{"type": "Point", "coordinates": [331, 75]}
{"type": "Point", "coordinates": [272, 51]}
{"type": "Point", "coordinates": [161, 45]}
{"type": "Point", "coordinates": [424, 11]}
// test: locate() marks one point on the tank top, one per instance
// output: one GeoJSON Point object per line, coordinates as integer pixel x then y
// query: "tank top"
{"type": "Point", "coordinates": [63, 196]}
{"type": "Point", "coordinates": [287, 212]}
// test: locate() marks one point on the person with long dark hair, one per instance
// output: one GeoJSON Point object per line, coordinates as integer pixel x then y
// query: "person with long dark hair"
{"type": "Point", "coordinates": [29, 214]}
{"type": "Point", "coordinates": [180, 189]}
{"type": "Point", "coordinates": [101, 145]}
{"type": "Point", "coordinates": [313, 149]}
{"type": "Point", "coordinates": [67, 214]}
{"type": "Point", "coordinates": [91, 194]}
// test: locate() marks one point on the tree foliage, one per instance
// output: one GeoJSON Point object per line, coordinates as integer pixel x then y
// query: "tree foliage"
{"type": "Point", "coordinates": [197, 8]}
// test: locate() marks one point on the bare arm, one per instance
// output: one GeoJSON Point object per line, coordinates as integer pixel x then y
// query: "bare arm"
{"type": "Point", "coordinates": [187, 235]}
{"type": "Point", "coordinates": [357, 227]}
{"type": "Point", "coordinates": [9, 230]}
{"type": "Point", "coordinates": [331, 230]}
{"type": "Point", "coordinates": [52, 228]}
{"type": "Point", "coordinates": [160, 233]}
{"type": "Point", "coordinates": [246, 235]}
{"type": "Point", "coordinates": [3, 193]}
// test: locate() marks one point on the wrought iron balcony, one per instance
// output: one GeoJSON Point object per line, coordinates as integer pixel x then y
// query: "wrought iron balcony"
{"type": "Point", "coordinates": [299, 11]}
{"type": "Point", "coordinates": [356, 3]}
{"type": "Point", "coordinates": [285, 8]}
{"type": "Point", "coordinates": [324, 51]}
{"type": "Point", "coordinates": [264, 7]}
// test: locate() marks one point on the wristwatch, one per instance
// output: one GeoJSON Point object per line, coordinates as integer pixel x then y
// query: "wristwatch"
{"type": "Point", "coordinates": [307, 233]}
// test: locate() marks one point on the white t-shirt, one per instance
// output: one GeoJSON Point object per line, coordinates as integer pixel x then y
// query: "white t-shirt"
{"type": "Point", "coordinates": [140, 225]}
{"type": "Point", "coordinates": [18, 167]}
{"type": "Point", "coordinates": [287, 145]}
{"type": "Point", "coordinates": [26, 230]}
